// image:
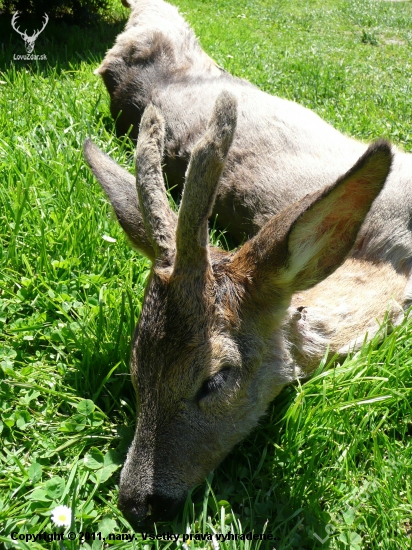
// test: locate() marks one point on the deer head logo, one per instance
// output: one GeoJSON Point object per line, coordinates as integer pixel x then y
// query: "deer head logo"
{"type": "Point", "coordinates": [29, 41]}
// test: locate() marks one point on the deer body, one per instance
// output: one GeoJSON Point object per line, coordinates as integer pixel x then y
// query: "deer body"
{"type": "Point", "coordinates": [280, 151]}
{"type": "Point", "coordinates": [220, 334]}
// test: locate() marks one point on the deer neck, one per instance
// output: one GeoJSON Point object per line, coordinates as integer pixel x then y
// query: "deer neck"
{"type": "Point", "coordinates": [343, 311]}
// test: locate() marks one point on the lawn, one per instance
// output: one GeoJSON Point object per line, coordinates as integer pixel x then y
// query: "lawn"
{"type": "Point", "coordinates": [330, 466]}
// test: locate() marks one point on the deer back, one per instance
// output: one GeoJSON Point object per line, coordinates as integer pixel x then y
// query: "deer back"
{"type": "Point", "coordinates": [280, 152]}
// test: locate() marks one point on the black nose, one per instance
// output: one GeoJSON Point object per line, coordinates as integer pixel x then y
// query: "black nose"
{"type": "Point", "coordinates": [135, 513]}
{"type": "Point", "coordinates": [142, 514]}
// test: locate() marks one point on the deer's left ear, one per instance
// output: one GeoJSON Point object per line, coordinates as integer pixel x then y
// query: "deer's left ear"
{"type": "Point", "coordinates": [306, 242]}
{"type": "Point", "coordinates": [120, 187]}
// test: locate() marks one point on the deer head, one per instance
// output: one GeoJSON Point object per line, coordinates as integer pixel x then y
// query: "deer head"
{"type": "Point", "coordinates": [208, 354]}
{"type": "Point", "coordinates": [29, 41]}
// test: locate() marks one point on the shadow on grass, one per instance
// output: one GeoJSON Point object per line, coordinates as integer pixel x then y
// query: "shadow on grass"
{"type": "Point", "coordinates": [65, 46]}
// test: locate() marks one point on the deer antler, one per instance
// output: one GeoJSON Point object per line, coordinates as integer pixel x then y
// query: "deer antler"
{"type": "Point", "coordinates": [202, 179]}
{"type": "Point", "coordinates": [35, 35]}
{"type": "Point", "coordinates": [14, 19]}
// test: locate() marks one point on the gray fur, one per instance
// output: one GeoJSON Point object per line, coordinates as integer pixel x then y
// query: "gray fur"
{"type": "Point", "coordinates": [281, 151]}
{"type": "Point", "coordinates": [120, 187]}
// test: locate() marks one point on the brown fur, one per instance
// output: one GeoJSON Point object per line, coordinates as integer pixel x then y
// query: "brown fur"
{"type": "Point", "coordinates": [218, 338]}
{"type": "Point", "coordinates": [220, 334]}
{"type": "Point", "coordinates": [344, 310]}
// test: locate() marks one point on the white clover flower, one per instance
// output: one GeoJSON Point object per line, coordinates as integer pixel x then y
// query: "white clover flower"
{"type": "Point", "coordinates": [62, 516]}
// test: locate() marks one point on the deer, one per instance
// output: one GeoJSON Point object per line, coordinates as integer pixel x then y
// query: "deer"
{"type": "Point", "coordinates": [326, 221]}
{"type": "Point", "coordinates": [221, 333]}
{"type": "Point", "coordinates": [280, 150]}
{"type": "Point", "coordinates": [29, 41]}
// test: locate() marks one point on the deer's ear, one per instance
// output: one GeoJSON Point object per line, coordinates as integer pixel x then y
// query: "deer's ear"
{"type": "Point", "coordinates": [304, 244]}
{"type": "Point", "coordinates": [120, 187]}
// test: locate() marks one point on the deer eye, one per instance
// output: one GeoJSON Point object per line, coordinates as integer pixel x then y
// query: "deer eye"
{"type": "Point", "coordinates": [214, 383]}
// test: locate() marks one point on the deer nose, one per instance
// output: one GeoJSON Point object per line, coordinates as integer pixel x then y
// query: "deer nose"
{"type": "Point", "coordinates": [142, 515]}
{"type": "Point", "coordinates": [135, 513]}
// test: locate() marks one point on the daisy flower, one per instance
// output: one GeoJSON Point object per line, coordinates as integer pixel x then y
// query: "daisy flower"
{"type": "Point", "coordinates": [62, 516]}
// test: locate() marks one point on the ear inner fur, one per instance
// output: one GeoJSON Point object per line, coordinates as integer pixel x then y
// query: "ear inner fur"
{"type": "Point", "coordinates": [309, 240]}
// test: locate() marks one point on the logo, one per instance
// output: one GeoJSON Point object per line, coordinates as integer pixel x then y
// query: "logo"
{"type": "Point", "coordinates": [29, 41]}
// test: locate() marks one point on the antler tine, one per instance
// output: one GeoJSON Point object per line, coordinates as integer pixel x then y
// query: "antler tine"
{"type": "Point", "coordinates": [202, 177]}
{"type": "Point", "coordinates": [36, 34]}
{"type": "Point", "coordinates": [13, 21]}
{"type": "Point", "coordinates": [158, 218]}
{"type": "Point", "coordinates": [45, 22]}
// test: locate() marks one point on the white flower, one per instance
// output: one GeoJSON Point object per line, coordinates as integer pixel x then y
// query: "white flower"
{"type": "Point", "coordinates": [62, 516]}
{"type": "Point", "coordinates": [109, 239]}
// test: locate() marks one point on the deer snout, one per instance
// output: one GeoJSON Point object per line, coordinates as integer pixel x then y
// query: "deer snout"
{"type": "Point", "coordinates": [142, 515]}
{"type": "Point", "coordinates": [135, 512]}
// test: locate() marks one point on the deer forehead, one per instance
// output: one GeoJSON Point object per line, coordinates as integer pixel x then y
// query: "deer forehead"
{"type": "Point", "coordinates": [183, 332]}
{"type": "Point", "coordinates": [203, 300]}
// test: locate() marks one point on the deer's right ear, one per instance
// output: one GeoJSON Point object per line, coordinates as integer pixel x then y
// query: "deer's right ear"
{"type": "Point", "coordinates": [307, 241]}
{"type": "Point", "coordinates": [120, 187]}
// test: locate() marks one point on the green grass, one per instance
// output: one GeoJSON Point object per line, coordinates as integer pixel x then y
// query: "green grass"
{"type": "Point", "coordinates": [333, 457]}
